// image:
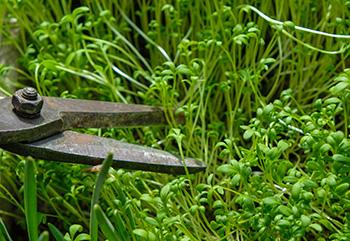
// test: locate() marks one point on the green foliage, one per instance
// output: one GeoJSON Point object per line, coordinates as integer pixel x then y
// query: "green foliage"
{"type": "Point", "coordinates": [265, 100]}
{"type": "Point", "coordinates": [30, 201]}
{"type": "Point", "coordinates": [4, 235]}
{"type": "Point", "coordinates": [95, 196]}
{"type": "Point", "coordinates": [56, 233]}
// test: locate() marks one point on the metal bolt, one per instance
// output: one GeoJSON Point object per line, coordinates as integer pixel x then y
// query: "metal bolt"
{"type": "Point", "coordinates": [27, 102]}
{"type": "Point", "coordinates": [29, 93]}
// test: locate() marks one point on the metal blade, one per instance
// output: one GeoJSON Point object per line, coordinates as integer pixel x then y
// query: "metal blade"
{"type": "Point", "coordinates": [60, 114]}
{"type": "Point", "coordinates": [14, 128]}
{"type": "Point", "coordinates": [99, 114]}
{"type": "Point", "coordinates": [74, 147]}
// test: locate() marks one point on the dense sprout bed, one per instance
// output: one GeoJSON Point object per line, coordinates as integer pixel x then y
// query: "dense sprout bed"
{"type": "Point", "coordinates": [266, 104]}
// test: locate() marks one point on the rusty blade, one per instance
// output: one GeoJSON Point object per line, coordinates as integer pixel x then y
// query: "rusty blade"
{"type": "Point", "coordinates": [91, 113]}
{"type": "Point", "coordinates": [60, 114]}
{"type": "Point", "coordinates": [14, 128]}
{"type": "Point", "coordinates": [75, 147]}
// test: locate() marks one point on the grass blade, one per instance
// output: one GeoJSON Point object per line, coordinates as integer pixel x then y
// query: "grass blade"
{"type": "Point", "coordinates": [96, 194]}
{"type": "Point", "coordinates": [44, 236]}
{"type": "Point", "coordinates": [148, 39]}
{"type": "Point", "coordinates": [105, 224]}
{"type": "Point", "coordinates": [30, 202]}
{"type": "Point", "coordinates": [120, 226]}
{"type": "Point", "coordinates": [56, 233]}
{"type": "Point", "coordinates": [4, 235]}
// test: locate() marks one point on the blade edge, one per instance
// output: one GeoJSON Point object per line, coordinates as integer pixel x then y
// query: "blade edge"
{"type": "Point", "coordinates": [80, 148]}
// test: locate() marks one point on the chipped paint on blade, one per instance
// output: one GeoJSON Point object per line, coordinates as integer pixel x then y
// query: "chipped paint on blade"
{"type": "Point", "coordinates": [74, 147]}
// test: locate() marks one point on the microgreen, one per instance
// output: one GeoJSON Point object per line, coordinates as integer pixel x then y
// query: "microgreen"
{"type": "Point", "coordinates": [263, 88]}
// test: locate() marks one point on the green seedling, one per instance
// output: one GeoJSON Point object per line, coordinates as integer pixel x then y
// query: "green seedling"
{"type": "Point", "coordinates": [263, 88]}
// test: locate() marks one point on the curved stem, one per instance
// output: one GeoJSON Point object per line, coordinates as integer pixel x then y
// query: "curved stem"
{"type": "Point", "coordinates": [274, 21]}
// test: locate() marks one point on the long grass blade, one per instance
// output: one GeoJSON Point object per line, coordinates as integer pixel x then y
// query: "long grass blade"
{"type": "Point", "coordinates": [149, 40]}
{"type": "Point", "coordinates": [105, 224]}
{"type": "Point", "coordinates": [44, 236]}
{"type": "Point", "coordinates": [4, 235]}
{"type": "Point", "coordinates": [120, 226]}
{"type": "Point", "coordinates": [56, 233]}
{"type": "Point", "coordinates": [30, 202]}
{"type": "Point", "coordinates": [96, 194]}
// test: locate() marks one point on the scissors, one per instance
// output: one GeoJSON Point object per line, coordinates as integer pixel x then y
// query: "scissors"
{"type": "Point", "coordinates": [39, 126]}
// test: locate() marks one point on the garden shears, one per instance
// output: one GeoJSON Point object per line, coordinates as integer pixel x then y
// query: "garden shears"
{"type": "Point", "coordinates": [39, 126]}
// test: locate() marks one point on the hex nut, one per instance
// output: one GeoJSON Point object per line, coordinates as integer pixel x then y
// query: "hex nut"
{"type": "Point", "coordinates": [27, 107]}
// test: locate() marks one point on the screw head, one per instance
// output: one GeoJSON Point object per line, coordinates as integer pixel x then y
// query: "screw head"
{"type": "Point", "coordinates": [27, 102]}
